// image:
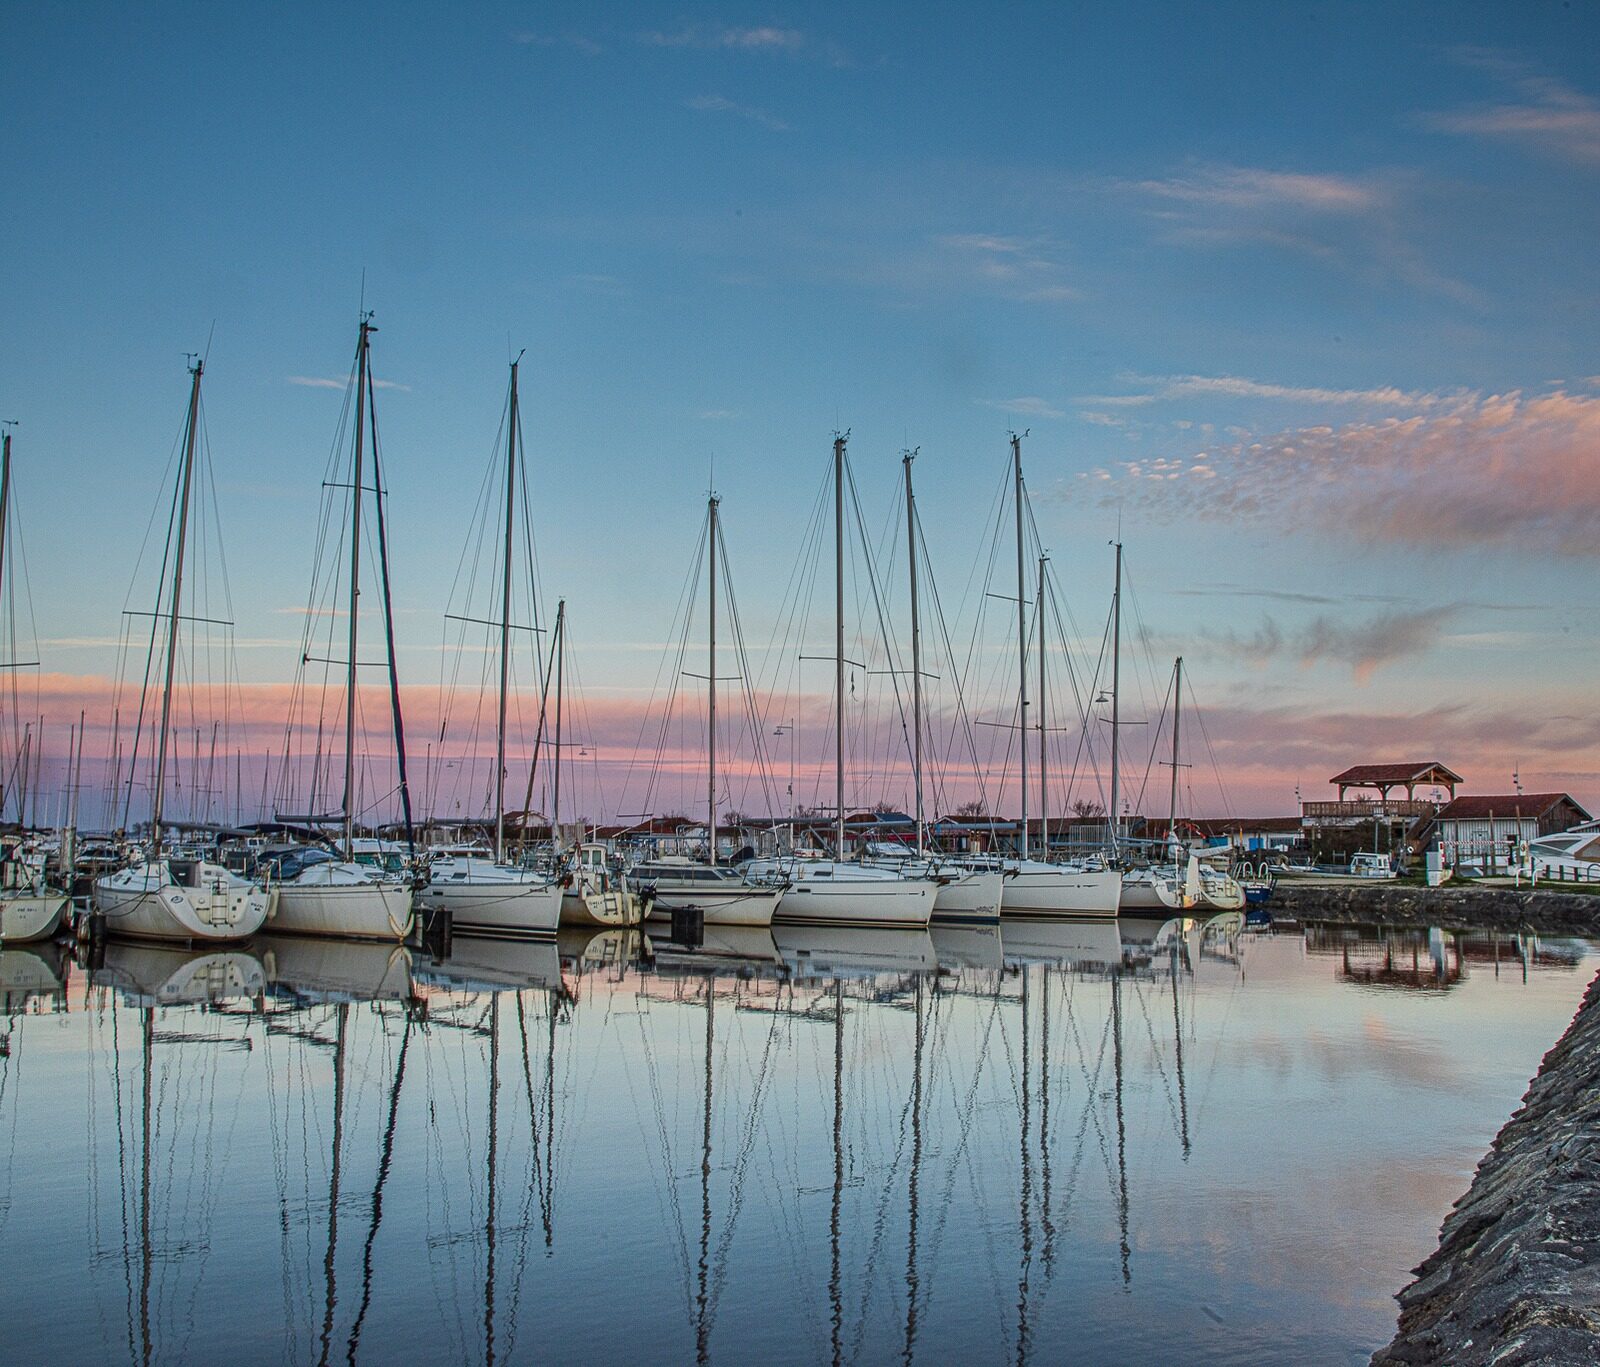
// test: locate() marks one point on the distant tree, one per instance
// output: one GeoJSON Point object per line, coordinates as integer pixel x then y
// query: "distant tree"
{"type": "Point", "coordinates": [977, 807]}
{"type": "Point", "coordinates": [1083, 809]}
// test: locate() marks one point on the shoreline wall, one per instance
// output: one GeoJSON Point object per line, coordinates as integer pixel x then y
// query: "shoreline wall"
{"type": "Point", "coordinates": [1516, 1276]}
{"type": "Point", "coordinates": [1453, 908]}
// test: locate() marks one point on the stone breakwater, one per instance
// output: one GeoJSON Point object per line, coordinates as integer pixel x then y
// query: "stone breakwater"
{"type": "Point", "coordinates": [1452, 908]}
{"type": "Point", "coordinates": [1516, 1278]}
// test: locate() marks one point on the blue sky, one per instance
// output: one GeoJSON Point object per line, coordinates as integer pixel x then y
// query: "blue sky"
{"type": "Point", "coordinates": [1332, 271]}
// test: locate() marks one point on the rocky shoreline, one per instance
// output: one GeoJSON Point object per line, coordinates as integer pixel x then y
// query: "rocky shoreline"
{"type": "Point", "coordinates": [1516, 1277]}
{"type": "Point", "coordinates": [1453, 908]}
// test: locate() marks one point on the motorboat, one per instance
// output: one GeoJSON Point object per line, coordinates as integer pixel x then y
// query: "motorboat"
{"type": "Point", "coordinates": [594, 894]}
{"type": "Point", "coordinates": [723, 896]}
{"type": "Point", "coordinates": [1571, 855]}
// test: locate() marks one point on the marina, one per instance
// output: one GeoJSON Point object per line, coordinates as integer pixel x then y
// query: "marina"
{"type": "Point", "coordinates": [1116, 1140]}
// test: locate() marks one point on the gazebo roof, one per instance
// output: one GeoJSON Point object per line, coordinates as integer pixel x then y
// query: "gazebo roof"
{"type": "Point", "coordinates": [1392, 775]}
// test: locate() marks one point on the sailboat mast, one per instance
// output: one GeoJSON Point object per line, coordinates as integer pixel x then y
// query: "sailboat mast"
{"type": "Point", "coordinates": [1116, 698]}
{"type": "Point", "coordinates": [355, 594]}
{"type": "Point", "coordinates": [1044, 789]}
{"type": "Point", "coordinates": [1177, 706]}
{"type": "Point", "coordinates": [505, 628]}
{"type": "Point", "coordinates": [838, 645]}
{"type": "Point", "coordinates": [916, 650]}
{"type": "Point", "coordinates": [5, 499]}
{"type": "Point", "coordinates": [1022, 641]}
{"type": "Point", "coordinates": [561, 664]}
{"type": "Point", "coordinates": [711, 676]}
{"type": "Point", "coordinates": [192, 429]}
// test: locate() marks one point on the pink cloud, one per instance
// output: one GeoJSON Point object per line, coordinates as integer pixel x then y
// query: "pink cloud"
{"type": "Point", "coordinates": [1501, 470]}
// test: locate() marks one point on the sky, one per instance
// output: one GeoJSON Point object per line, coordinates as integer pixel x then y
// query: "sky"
{"type": "Point", "coordinates": [1299, 302]}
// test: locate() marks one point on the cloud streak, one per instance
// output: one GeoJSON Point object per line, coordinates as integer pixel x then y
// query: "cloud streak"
{"type": "Point", "coordinates": [1506, 471]}
{"type": "Point", "coordinates": [326, 382]}
{"type": "Point", "coordinates": [719, 104]}
{"type": "Point", "coordinates": [1547, 114]}
{"type": "Point", "coordinates": [1364, 646]}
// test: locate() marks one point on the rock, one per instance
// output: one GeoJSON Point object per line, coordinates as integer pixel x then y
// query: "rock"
{"type": "Point", "coordinates": [1516, 1276]}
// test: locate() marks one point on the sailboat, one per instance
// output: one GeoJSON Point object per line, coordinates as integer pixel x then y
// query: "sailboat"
{"type": "Point", "coordinates": [723, 896]}
{"type": "Point", "coordinates": [835, 892]}
{"type": "Point", "coordinates": [494, 896]}
{"type": "Point", "coordinates": [29, 910]}
{"type": "Point", "coordinates": [340, 896]}
{"type": "Point", "coordinates": [1036, 887]}
{"type": "Point", "coordinates": [965, 896]}
{"type": "Point", "coordinates": [1157, 887]}
{"type": "Point", "coordinates": [161, 896]}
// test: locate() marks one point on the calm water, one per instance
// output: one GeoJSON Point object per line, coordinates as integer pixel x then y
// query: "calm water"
{"type": "Point", "coordinates": [1113, 1142]}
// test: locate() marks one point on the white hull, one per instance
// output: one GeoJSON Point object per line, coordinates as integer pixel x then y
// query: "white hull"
{"type": "Point", "coordinates": [507, 909]}
{"type": "Point", "coordinates": [865, 902]}
{"type": "Point", "coordinates": [351, 911]}
{"type": "Point", "coordinates": [606, 909]}
{"type": "Point", "coordinates": [720, 906]}
{"type": "Point", "coordinates": [1050, 893]}
{"type": "Point", "coordinates": [1144, 895]}
{"type": "Point", "coordinates": [972, 899]}
{"type": "Point", "coordinates": [30, 916]}
{"type": "Point", "coordinates": [144, 903]}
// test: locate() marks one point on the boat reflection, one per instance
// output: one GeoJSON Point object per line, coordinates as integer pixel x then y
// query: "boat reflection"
{"type": "Point", "coordinates": [166, 975]}
{"type": "Point", "coordinates": [835, 952]}
{"type": "Point", "coordinates": [317, 968]}
{"type": "Point", "coordinates": [29, 973]}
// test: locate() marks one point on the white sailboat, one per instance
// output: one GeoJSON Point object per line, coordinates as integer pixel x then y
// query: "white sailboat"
{"type": "Point", "coordinates": [341, 897]}
{"type": "Point", "coordinates": [721, 895]}
{"type": "Point", "coordinates": [29, 910]}
{"type": "Point", "coordinates": [833, 892]}
{"type": "Point", "coordinates": [490, 895]}
{"type": "Point", "coordinates": [965, 896]}
{"type": "Point", "coordinates": [1036, 888]}
{"type": "Point", "coordinates": [1159, 887]}
{"type": "Point", "coordinates": [161, 897]}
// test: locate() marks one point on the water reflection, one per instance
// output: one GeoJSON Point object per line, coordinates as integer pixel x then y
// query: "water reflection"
{"type": "Point", "coordinates": [796, 1144]}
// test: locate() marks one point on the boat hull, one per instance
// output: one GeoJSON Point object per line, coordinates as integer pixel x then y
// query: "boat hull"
{"type": "Point", "coordinates": [144, 904]}
{"type": "Point", "coordinates": [347, 911]}
{"type": "Point", "coordinates": [972, 899]}
{"type": "Point", "coordinates": [1057, 894]}
{"type": "Point", "coordinates": [862, 903]}
{"type": "Point", "coordinates": [719, 906]}
{"type": "Point", "coordinates": [31, 916]}
{"type": "Point", "coordinates": [504, 910]}
{"type": "Point", "coordinates": [608, 909]}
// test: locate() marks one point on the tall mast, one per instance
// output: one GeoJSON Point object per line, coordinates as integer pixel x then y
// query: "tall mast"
{"type": "Point", "coordinates": [5, 499]}
{"type": "Point", "coordinates": [1177, 704]}
{"type": "Point", "coordinates": [916, 648]}
{"type": "Point", "coordinates": [1116, 698]}
{"type": "Point", "coordinates": [711, 674]}
{"type": "Point", "coordinates": [187, 478]}
{"type": "Point", "coordinates": [838, 644]}
{"type": "Point", "coordinates": [355, 591]}
{"type": "Point", "coordinates": [1044, 790]}
{"type": "Point", "coordinates": [561, 662]}
{"type": "Point", "coordinates": [1022, 641]}
{"type": "Point", "coordinates": [505, 628]}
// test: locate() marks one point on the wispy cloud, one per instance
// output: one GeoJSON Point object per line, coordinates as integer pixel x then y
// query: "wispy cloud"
{"type": "Point", "coordinates": [1244, 187]}
{"type": "Point", "coordinates": [1028, 406]}
{"type": "Point", "coordinates": [719, 104]}
{"type": "Point", "coordinates": [1357, 224]}
{"type": "Point", "coordinates": [579, 42]}
{"type": "Point", "coordinates": [1546, 114]}
{"type": "Point", "coordinates": [1364, 646]}
{"type": "Point", "coordinates": [1506, 471]}
{"type": "Point", "coordinates": [1162, 387]}
{"type": "Point", "coordinates": [1027, 270]}
{"type": "Point", "coordinates": [327, 382]}
{"type": "Point", "coordinates": [761, 38]}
